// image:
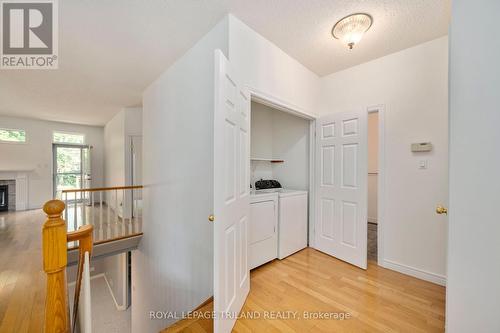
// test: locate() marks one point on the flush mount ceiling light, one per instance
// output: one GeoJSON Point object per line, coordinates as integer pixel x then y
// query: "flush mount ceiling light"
{"type": "Point", "coordinates": [351, 28]}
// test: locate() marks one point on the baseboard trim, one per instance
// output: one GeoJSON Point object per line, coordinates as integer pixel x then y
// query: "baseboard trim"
{"type": "Point", "coordinates": [415, 272]}
{"type": "Point", "coordinates": [118, 307]}
{"type": "Point", "coordinates": [209, 300]}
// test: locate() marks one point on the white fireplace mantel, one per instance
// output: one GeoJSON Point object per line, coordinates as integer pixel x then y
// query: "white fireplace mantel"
{"type": "Point", "coordinates": [21, 178]}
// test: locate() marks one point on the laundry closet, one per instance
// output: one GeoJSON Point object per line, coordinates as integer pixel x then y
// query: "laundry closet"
{"type": "Point", "coordinates": [279, 174]}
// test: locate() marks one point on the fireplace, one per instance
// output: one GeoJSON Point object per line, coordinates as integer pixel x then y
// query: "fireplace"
{"type": "Point", "coordinates": [4, 197]}
{"type": "Point", "coordinates": [16, 195]}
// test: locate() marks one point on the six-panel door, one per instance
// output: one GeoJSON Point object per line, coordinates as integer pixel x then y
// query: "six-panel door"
{"type": "Point", "coordinates": [231, 195]}
{"type": "Point", "coordinates": [341, 186]}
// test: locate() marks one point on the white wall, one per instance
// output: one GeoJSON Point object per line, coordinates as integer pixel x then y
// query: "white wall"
{"type": "Point", "coordinates": [173, 268]}
{"type": "Point", "coordinates": [115, 270]}
{"type": "Point", "coordinates": [270, 72]}
{"type": "Point", "coordinates": [117, 131]}
{"type": "Point", "coordinates": [291, 143]}
{"type": "Point", "coordinates": [280, 135]}
{"type": "Point", "coordinates": [413, 85]}
{"type": "Point", "coordinates": [114, 151]}
{"type": "Point", "coordinates": [261, 142]}
{"type": "Point", "coordinates": [473, 289]}
{"type": "Point", "coordinates": [36, 154]}
{"type": "Point", "coordinates": [267, 69]}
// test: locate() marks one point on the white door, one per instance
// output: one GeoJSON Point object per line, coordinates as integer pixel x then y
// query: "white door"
{"type": "Point", "coordinates": [473, 274]}
{"type": "Point", "coordinates": [231, 195]}
{"type": "Point", "coordinates": [341, 186]}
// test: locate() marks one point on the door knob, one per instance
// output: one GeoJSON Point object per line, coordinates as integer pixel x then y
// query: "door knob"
{"type": "Point", "coordinates": [211, 218]}
{"type": "Point", "coordinates": [441, 210]}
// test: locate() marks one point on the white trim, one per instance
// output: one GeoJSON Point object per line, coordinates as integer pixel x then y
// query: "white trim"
{"type": "Point", "coordinates": [125, 282]}
{"type": "Point", "coordinates": [118, 307]}
{"type": "Point", "coordinates": [103, 275]}
{"type": "Point", "coordinates": [281, 105]}
{"type": "Point", "coordinates": [415, 272]}
{"type": "Point", "coordinates": [381, 184]}
{"type": "Point", "coordinates": [92, 277]}
{"type": "Point", "coordinates": [312, 182]}
{"type": "Point", "coordinates": [22, 192]}
{"type": "Point", "coordinates": [276, 103]}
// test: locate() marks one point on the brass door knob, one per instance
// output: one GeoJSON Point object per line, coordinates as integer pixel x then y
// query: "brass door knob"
{"type": "Point", "coordinates": [211, 218]}
{"type": "Point", "coordinates": [441, 210]}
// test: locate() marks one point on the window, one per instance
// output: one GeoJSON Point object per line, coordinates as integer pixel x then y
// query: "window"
{"type": "Point", "coordinates": [71, 138]}
{"type": "Point", "coordinates": [12, 135]}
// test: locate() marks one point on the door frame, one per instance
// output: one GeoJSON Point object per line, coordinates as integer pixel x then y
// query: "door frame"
{"type": "Point", "coordinates": [129, 173]}
{"type": "Point", "coordinates": [281, 105]}
{"type": "Point", "coordinates": [380, 108]}
{"type": "Point", "coordinates": [381, 184]}
{"type": "Point", "coordinates": [54, 161]}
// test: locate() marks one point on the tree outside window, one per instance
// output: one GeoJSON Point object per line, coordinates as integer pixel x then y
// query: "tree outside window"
{"type": "Point", "coordinates": [12, 135]}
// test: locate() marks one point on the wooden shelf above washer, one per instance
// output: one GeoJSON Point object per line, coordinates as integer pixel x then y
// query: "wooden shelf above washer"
{"type": "Point", "coordinates": [270, 160]}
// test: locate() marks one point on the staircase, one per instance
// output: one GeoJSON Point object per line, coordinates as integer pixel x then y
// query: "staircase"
{"type": "Point", "coordinates": [54, 243]}
{"type": "Point", "coordinates": [114, 212]}
{"type": "Point", "coordinates": [97, 223]}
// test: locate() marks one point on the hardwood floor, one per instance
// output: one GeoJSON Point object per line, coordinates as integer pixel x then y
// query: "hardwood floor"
{"type": "Point", "coordinates": [201, 324]}
{"type": "Point", "coordinates": [310, 282]}
{"type": "Point", "coordinates": [22, 280]}
{"type": "Point", "coordinates": [377, 300]}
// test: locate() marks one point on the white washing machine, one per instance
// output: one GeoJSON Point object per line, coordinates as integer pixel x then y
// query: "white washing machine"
{"type": "Point", "coordinates": [292, 222]}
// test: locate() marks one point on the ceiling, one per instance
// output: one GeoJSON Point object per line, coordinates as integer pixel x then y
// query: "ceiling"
{"type": "Point", "coordinates": [110, 51]}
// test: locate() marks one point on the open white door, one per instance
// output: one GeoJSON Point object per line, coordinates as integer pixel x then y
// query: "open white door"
{"type": "Point", "coordinates": [231, 195]}
{"type": "Point", "coordinates": [341, 186]}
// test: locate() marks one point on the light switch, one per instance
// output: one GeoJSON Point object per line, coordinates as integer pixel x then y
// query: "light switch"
{"type": "Point", "coordinates": [422, 164]}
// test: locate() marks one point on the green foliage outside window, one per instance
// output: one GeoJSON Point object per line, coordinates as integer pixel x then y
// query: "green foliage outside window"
{"type": "Point", "coordinates": [12, 135]}
{"type": "Point", "coordinates": [61, 137]}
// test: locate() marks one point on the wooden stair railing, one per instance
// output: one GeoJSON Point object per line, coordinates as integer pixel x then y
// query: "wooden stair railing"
{"type": "Point", "coordinates": [54, 243]}
{"type": "Point", "coordinates": [84, 237]}
{"type": "Point", "coordinates": [101, 205]}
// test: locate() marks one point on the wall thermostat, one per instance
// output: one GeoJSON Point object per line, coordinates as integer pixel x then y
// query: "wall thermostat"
{"type": "Point", "coordinates": [421, 147]}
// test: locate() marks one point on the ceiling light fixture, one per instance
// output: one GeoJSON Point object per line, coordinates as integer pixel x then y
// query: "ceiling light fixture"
{"type": "Point", "coordinates": [351, 28]}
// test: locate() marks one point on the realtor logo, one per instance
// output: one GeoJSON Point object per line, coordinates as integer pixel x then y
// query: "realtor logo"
{"type": "Point", "coordinates": [29, 34]}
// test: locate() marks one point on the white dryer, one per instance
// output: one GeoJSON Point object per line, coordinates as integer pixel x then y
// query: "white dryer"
{"type": "Point", "coordinates": [292, 222]}
{"type": "Point", "coordinates": [263, 228]}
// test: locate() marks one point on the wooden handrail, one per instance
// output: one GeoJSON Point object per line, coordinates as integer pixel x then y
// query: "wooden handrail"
{"type": "Point", "coordinates": [55, 260]}
{"type": "Point", "coordinates": [97, 189]}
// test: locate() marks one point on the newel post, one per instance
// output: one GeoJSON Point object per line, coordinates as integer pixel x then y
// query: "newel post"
{"type": "Point", "coordinates": [55, 259]}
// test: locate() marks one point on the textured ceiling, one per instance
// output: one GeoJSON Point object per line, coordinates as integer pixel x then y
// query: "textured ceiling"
{"type": "Point", "coordinates": [111, 50]}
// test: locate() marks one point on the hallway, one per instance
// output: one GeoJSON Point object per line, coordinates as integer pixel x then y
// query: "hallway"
{"type": "Point", "coordinates": [377, 300]}
{"type": "Point", "coordinates": [312, 283]}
